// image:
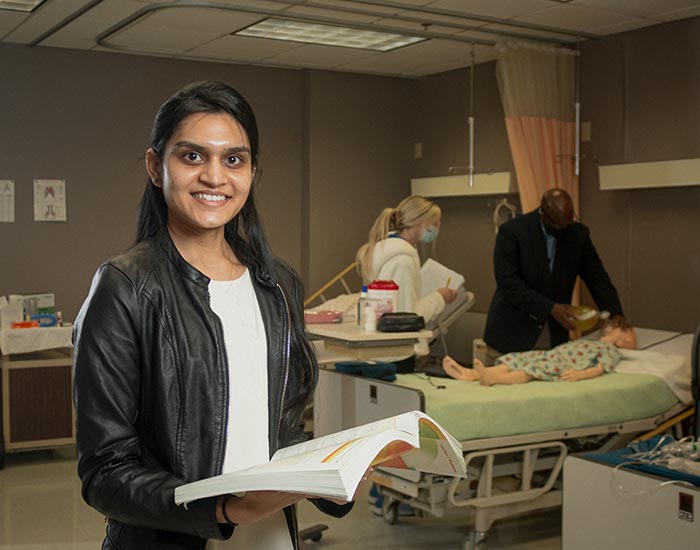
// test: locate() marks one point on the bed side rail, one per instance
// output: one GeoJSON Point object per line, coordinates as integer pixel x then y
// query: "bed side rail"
{"type": "Point", "coordinates": [530, 463]}
{"type": "Point", "coordinates": [340, 278]}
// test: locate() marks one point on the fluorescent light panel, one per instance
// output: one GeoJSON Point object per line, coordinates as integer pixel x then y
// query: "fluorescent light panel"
{"type": "Point", "coordinates": [20, 5]}
{"type": "Point", "coordinates": [329, 35]}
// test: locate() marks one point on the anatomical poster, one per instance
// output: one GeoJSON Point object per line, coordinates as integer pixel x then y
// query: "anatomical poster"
{"type": "Point", "coordinates": [49, 200]}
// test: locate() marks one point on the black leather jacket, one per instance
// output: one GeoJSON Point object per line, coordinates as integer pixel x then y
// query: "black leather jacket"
{"type": "Point", "coordinates": [151, 391]}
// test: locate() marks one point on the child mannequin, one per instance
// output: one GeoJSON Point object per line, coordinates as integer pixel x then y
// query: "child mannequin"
{"type": "Point", "coordinates": [569, 362]}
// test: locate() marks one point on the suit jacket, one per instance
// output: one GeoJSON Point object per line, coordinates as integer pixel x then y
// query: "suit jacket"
{"type": "Point", "coordinates": [526, 290]}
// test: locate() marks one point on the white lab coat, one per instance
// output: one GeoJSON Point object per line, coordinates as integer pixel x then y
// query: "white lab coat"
{"type": "Point", "coordinates": [395, 259]}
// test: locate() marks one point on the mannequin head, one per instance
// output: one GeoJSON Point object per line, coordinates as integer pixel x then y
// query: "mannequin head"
{"type": "Point", "coordinates": [622, 337]}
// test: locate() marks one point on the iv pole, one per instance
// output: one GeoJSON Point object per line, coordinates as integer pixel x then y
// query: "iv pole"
{"type": "Point", "coordinates": [471, 121]}
{"type": "Point", "coordinates": [577, 114]}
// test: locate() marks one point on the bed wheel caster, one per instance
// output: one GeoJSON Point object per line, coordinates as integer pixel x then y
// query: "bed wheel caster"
{"type": "Point", "coordinates": [471, 542]}
{"type": "Point", "coordinates": [390, 510]}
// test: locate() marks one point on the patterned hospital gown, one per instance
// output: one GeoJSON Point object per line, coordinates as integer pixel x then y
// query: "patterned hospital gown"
{"type": "Point", "coordinates": [576, 355]}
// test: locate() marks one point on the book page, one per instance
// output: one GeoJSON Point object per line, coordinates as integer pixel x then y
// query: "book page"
{"type": "Point", "coordinates": [361, 449]}
{"type": "Point", "coordinates": [435, 275]}
{"type": "Point", "coordinates": [407, 422]}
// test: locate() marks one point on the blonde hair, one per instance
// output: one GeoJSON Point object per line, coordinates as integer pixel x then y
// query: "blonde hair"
{"type": "Point", "coordinates": [409, 212]}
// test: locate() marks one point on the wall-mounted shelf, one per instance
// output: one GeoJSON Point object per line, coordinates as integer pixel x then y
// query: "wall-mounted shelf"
{"type": "Point", "coordinates": [645, 175]}
{"type": "Point", "coordinates": [496, 183]}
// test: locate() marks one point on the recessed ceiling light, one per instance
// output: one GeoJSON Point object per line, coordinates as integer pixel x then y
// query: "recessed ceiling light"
{"type": "Point", "coordinates": [329, 35]}
{"type": "Point", "coordinates": [20, 5]}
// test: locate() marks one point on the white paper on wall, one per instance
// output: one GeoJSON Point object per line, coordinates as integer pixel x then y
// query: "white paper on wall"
{"type": "Point", "coordinates": [49, 200]}
{"type": "Point", "coordinates": [7, 201]}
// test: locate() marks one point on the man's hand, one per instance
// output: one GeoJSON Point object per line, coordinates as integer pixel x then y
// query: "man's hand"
{"type": "Point", "coordinates": [563, 315]}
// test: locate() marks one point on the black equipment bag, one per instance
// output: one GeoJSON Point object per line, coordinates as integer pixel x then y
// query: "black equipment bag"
{"type": "Point", "coordinates": [400, 322]}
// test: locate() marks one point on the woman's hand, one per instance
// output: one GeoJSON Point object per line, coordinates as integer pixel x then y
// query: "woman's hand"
{"type": "Point", "coordinates": [448, 294]}
{"type": "Point", "coordinates": [256, 505]}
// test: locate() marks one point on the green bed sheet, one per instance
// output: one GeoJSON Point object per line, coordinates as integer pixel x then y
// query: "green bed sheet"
{"type": "Point", "coordinates": [471, 411]}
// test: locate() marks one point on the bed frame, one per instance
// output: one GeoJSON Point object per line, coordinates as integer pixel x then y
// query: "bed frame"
{"type": "Point", "coordinates": [506, 475]}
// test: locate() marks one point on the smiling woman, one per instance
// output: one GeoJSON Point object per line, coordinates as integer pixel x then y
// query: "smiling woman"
{"type": "Point", "coordinates": [190, 353]}
{"type": "Point", "coordinates": [206, 173]}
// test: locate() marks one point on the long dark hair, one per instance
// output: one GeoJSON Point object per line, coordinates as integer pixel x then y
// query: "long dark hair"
{"type": "Point", "coordinates": [244, 233]}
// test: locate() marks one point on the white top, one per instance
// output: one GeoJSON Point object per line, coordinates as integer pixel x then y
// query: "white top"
{"type": "Point", "coordinates": [247, 441]}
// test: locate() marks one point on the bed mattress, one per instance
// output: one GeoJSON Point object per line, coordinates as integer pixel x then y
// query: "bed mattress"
{"type": "Point", "coordinates": [471, 411]}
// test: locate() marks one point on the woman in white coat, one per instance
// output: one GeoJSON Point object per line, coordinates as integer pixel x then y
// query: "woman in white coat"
{"type": "Point", "coordinates": [391, 254]}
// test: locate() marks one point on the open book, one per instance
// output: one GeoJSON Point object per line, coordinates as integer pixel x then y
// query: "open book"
{"type": "Point", "coordinates": [435, 275]}
{"type": "Point", "coordinates": [333, 465]}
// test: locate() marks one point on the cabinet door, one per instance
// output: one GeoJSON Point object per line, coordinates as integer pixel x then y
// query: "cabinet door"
{"type": "Point", "coordinates": [38, 407]}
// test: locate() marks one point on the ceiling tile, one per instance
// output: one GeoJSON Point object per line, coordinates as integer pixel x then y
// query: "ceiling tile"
{"type": "Point", "coordinates": [212, 20]}
{"type": "Point", "coordinates": [242, 48]}
{"type": "Point", "coordinates": [413, 60]}
{"type": "Point", "coordinates": [506, 9]}
{"type": "Point", "coordinates": [679, 14]}
{"type": "Point", "coordinates": [323, 56]}
{"type": "Point", "coordinates": [574, 18]}
{"type": "Point", "coordinates": [512, 32]}
{"type": "Point", "coordinates": [43, 19]}
{"type": "Point", "coordinates": [115, 10]}
{"type": "Point", "coordinates": [624, 26]}
{"type": "Point", "coordinates": [10, 19]}
{"type": "Point", "coordinates": [332, 14]}
{"type": "Point", "coordinates": [379, 10]}
{"type": "Point", "coordinates": [135, 38]}
{"type": "Point", "coordinates": [642, 8]}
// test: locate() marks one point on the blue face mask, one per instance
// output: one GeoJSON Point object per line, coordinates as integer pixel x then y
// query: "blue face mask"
{"type": "Point", "coordinates": [429, 234]}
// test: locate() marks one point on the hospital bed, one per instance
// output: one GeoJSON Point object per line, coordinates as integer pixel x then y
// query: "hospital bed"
{"type": "Point", "coordinates": [514, 438]}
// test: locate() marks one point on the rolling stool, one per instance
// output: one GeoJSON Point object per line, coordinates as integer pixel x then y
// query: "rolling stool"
{"type": "Point", "coordinates": [312, 533]}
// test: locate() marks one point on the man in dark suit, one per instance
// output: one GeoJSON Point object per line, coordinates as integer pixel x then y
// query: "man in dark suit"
{"type": "Point", "coordinates": [536, 261]}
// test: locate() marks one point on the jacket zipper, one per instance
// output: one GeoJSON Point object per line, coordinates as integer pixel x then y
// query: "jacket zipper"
{"type": "Point", "coordinates": [287, 351]}
{"type": "Point", "coordinates": [223, 360]}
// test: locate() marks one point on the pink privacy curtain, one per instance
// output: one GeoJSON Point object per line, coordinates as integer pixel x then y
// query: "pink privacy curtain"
{"type": "Point", "coordinates": [537, 89]}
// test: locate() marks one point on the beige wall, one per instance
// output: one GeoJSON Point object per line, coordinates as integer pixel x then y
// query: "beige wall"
{"type": "Point", "coordinates": [359, 162]}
